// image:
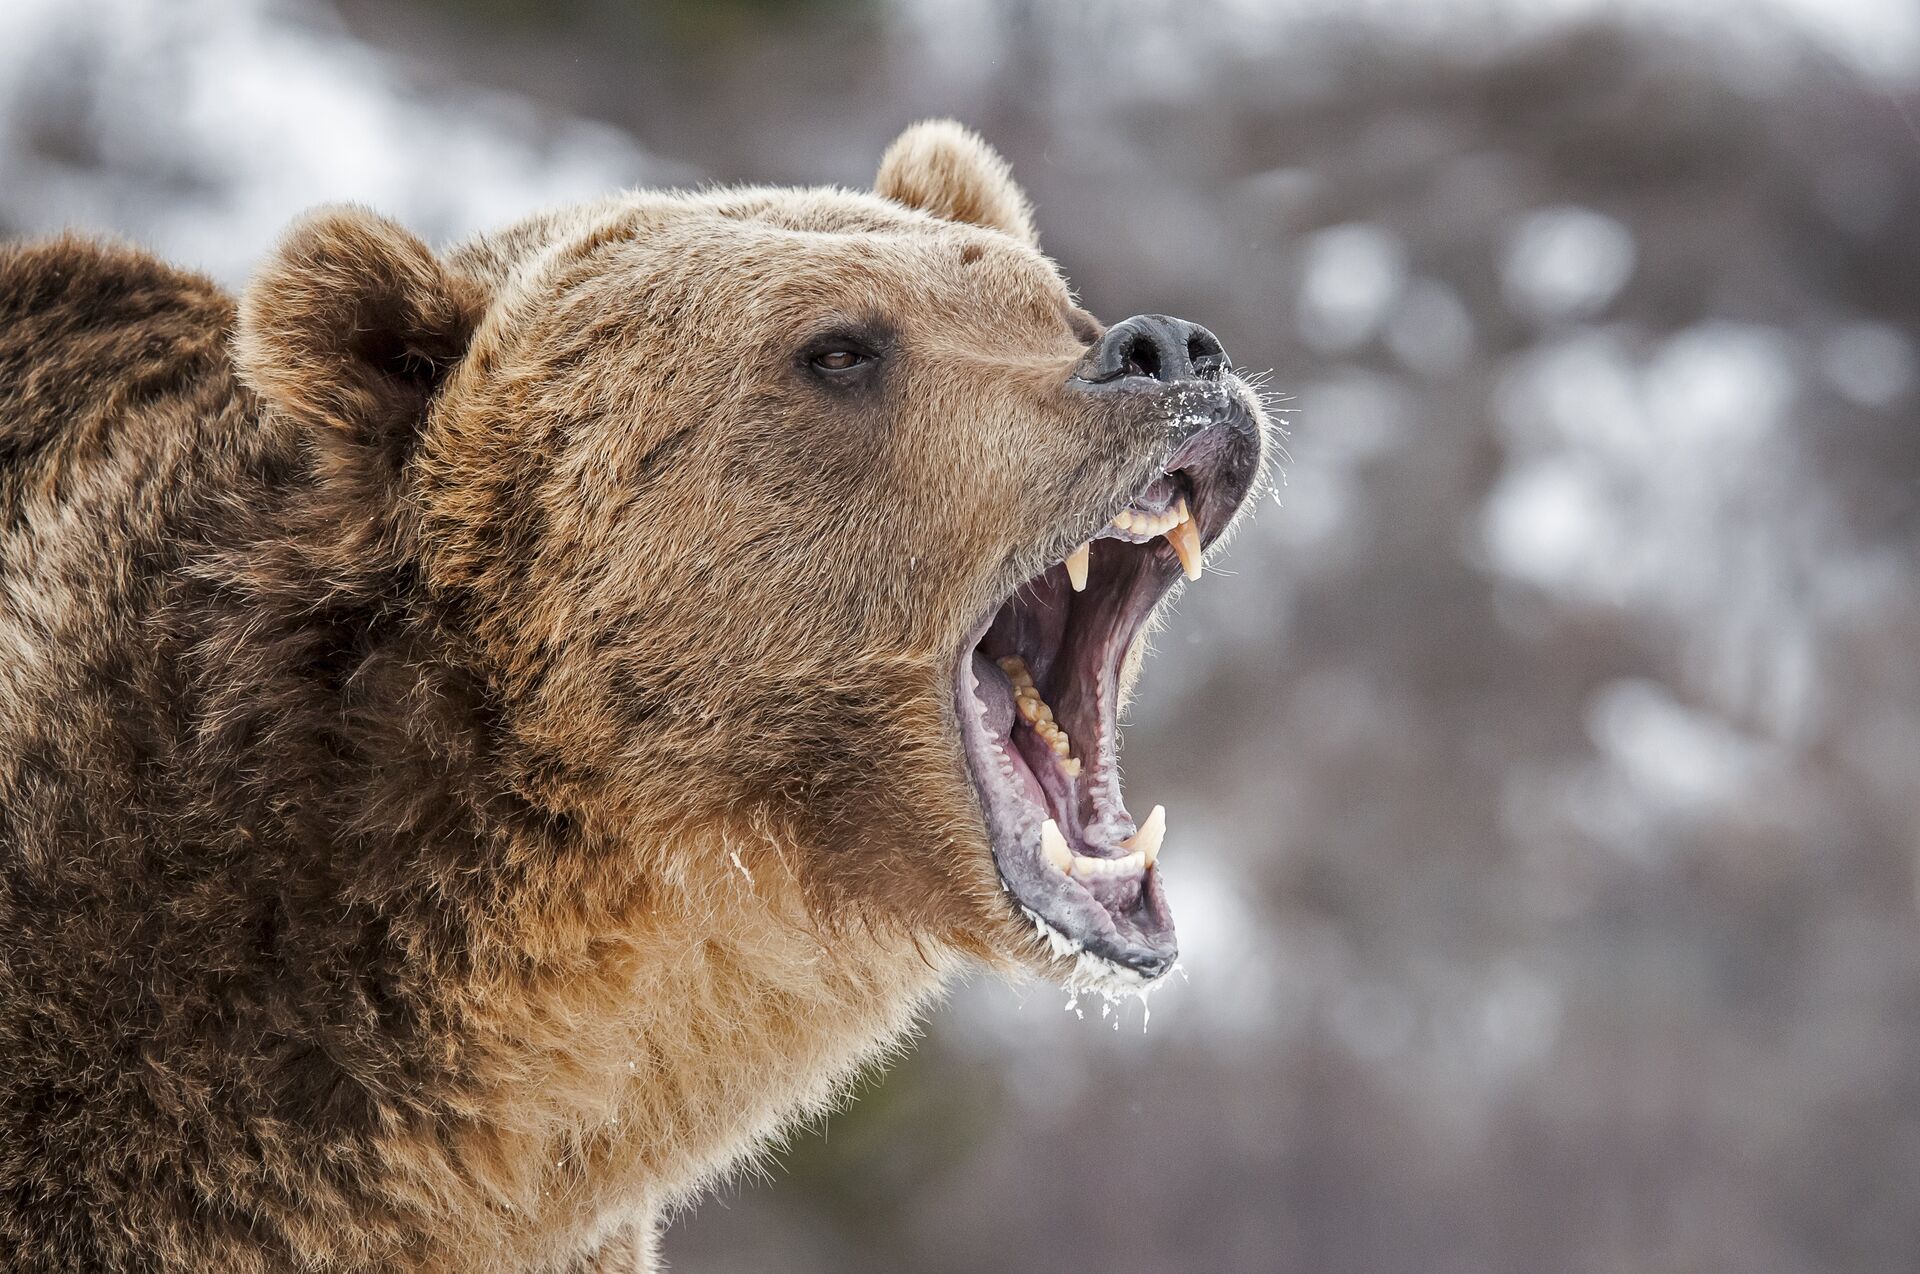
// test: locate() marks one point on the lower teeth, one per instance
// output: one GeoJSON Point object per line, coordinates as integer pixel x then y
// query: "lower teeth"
{"type": "Point", "coordinates": [1035, 712]}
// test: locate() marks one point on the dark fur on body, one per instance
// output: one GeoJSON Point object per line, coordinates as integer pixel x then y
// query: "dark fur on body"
{"type": "Point", "coordinates": [242, 803]}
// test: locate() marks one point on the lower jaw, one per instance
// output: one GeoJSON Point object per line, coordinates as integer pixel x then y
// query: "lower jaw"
{"type": "Point", "coordinates": [1107, 934]}
{"type": "Point", "coordinates": [1079, 968]}
{"type": "Point", "coordinates": [1036, 692]}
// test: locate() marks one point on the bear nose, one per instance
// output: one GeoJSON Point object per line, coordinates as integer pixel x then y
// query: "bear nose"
{"type": "Point", "coordinates": [1168, 350]}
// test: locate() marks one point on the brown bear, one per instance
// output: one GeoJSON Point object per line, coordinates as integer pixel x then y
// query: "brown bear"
{"type": "Point", "coordinates": [488, 738]}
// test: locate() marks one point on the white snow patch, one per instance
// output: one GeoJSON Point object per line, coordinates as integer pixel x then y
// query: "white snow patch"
{"type": "Point", "coordinates": [1682, 757]}
{"type": "Point", "coordinates": [1351, 275]}
{"type": "Point", "coordinates": [201, 128]}
{"type": "Point", "coordinates": [1566, 262]}
{"type": "Point", "coordinates": [1551, 521]}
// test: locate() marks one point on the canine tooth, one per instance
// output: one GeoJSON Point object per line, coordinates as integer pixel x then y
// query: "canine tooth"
{"type": "Point", "coordinates": [1147, 839]}
{"type": "Point", "coordinates": [1077, 567]}
{"type": "Point", "coordinates": [1185, 538]}
{"type": "Point", "coordinates": [1053, 846]}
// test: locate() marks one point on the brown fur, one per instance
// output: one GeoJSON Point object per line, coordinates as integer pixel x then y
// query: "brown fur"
{"type": "Point", "coordinates": [475, 741]}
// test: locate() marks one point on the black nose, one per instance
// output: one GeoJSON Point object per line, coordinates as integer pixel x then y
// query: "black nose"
{"type": "Point", "coordinates": [1155, 346]}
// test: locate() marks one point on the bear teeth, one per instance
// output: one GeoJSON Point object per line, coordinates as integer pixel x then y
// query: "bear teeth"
{"type": "Point", "coordinates": [1144, 847]}
{"type": "Point", "coordinates": [1035, 712]}
{"type": "Point", "coordinates": [1127, 866]}
{"type": "Point", "coordinates": [1147, 840]}
{"type": "Point", "coordinates": [1185, 538]}
{"type": "Point", "coordinates": [1077, 566]}
{"type": "Point", "coordinates": [1138, 526]}
{"type": "Point", "coordinates": [1053, 845]}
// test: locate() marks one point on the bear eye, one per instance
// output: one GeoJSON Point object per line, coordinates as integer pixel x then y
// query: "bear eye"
{"type": "Point", "coordinates": [840, 360]}
{"type": "Point", "coordinates": [846, 355]}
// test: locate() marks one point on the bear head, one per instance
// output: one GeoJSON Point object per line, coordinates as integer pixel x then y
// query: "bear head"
{"type": "Point", "coordinates": [824, 517]}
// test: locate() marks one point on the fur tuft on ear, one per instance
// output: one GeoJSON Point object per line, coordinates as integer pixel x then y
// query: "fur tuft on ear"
{"type": "Point", "coordinates": [940, 167]}
{"type": "Point", "coordinates": [351, 325]}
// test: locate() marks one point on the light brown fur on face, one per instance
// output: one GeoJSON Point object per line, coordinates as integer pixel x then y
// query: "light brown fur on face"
{"type": "Point", "coordinates": [486, 758]}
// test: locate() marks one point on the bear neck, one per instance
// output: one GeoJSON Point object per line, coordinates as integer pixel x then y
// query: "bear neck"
{"type": "Point", "coordinates": [593, 1013]}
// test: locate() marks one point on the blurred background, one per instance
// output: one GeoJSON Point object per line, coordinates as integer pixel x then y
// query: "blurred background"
{"type": "Point", "coordinates": [1544, 758]}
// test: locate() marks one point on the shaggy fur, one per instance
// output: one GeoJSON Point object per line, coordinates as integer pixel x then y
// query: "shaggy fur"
{"type": "Point", "coordinates": [476, 751]}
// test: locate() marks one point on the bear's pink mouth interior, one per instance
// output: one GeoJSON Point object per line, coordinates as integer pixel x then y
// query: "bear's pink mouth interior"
{"type": "Point", "coordinates": [1037, 696]}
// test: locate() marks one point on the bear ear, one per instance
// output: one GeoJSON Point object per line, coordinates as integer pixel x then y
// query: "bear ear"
{"type": "Point", "coordinates": [352, 324]}
{"type": "Point", "coordinates": [942, 168]}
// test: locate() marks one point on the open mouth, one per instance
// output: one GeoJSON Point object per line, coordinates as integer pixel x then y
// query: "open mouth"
{"type": "Point", "coordinates": [1037, 693]}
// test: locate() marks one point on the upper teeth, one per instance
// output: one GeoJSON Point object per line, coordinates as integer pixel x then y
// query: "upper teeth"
{"type": "Point", "coordinates": [1185, 538]}
{"type": "Point", "coordinates": [1176, 524]}
{"type": "Point", "coordinates": [1143, 523]}
{"type": "Point", "coordinates": [1077, 566]}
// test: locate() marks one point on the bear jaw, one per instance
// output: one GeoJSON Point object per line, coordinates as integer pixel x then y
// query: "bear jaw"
{"type": "Point", "coordinates": [1038, 685]}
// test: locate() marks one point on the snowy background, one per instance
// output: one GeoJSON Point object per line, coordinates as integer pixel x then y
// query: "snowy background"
{"type": "Point", "coordinates": [1544, 762]}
